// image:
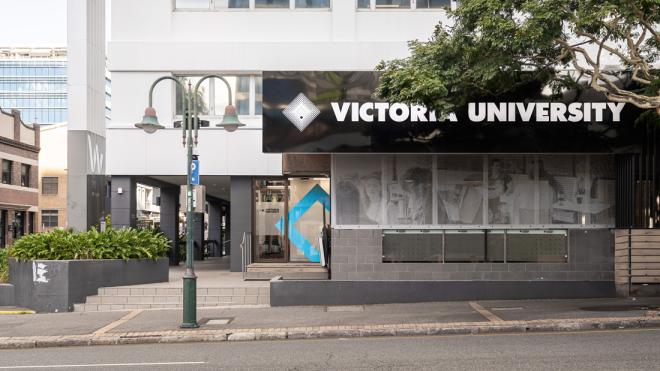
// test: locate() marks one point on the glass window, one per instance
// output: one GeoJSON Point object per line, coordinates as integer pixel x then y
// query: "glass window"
{"type": "Point", "coordinates": [49, 185]}
{"type": "Point", "coordinates": [536, 246]}
{"type": "Point", "coordinates": [258, 95]}
{"type": "Point", "coordinates": [49, 218]}
{"type": "Point", "coordinates": [412, 246]}
{"type": "Point", "coordinates": [392, 4]}
{"type": "Point", "coordinates": [271, 3]}
{"type": "Point", "coordinates": [433, 4]}
{"type": "Point", "coordinates": [364, 4]}
{"type": "Point", "coordinates": [465, 246]}
{"type": "Point", "coordinates": [312, 3]}
{"type": "Point", "coordinates": [232, 4]}
{"type": "Point", "coordinates": [203, 95]}
{"type": "Point", "coordinates": [241, 94]}
{"type": "Point", "coordinates": [6, 171]}
{"type": "Point", "coordinates": [192, 4]}
{"type": "Point", "coordinates": [25, 175]}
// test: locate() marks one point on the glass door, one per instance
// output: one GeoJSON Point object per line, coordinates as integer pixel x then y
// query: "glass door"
{"type": "Point", "coordinates": [270, 220]}
{"type": "Point", "coordinates": [308, 212]}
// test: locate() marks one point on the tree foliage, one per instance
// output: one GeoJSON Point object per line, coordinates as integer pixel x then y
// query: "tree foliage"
{"type": "Point", "coordinates": [492, 47]}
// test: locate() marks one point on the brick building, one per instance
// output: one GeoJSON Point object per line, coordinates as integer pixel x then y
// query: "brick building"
{"type": "Point", "coordinates": [19, 185]}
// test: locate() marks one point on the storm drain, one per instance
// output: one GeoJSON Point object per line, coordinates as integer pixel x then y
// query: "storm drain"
{"type": "Point", "coordinates": [345, 308]}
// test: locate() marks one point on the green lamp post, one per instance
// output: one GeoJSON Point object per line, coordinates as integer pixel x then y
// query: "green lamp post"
{"type": "Point", "coordinates": [190, 129]}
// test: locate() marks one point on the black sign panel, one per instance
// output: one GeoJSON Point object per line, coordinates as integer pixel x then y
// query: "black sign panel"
{"type": "Point", "coordinates": [337, 112]}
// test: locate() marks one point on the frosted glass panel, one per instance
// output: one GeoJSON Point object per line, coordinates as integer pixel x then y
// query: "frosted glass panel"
{"type": "Point", "coordinates": [358, 189]}
{"type": "Point", "coordinates": [523, 191]}
{"type": "Point", "coordinates": [408, 184]}
{"type": "Point", "coordinates": [460, 189]}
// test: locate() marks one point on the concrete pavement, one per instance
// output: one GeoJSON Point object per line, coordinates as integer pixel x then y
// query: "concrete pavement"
{"type": "Point", "coordinates": [256, 323]}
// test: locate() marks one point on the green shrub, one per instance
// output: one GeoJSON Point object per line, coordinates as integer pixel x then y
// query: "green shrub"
{"type": "Point", "coordinates": [4, 266]}
{"type": "Point", "coordinates": [125, 243]}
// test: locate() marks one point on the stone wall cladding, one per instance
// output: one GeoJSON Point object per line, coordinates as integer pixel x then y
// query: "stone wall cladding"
{"type": "Point", "coordinates": [357, 256]}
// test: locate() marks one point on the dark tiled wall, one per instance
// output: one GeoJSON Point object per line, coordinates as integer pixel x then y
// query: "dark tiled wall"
{"type": "Point", "coordinates": [357, 255]}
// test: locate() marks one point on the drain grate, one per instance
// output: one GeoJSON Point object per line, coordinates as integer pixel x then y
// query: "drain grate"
{"type": "Point", "coordinates": [345, 308]}
{"type": "Point", "coordinates": [216, 321]}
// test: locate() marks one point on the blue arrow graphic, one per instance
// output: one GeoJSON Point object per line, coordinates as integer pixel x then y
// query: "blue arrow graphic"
{"type": "Point", "coordinates": [316, 194]}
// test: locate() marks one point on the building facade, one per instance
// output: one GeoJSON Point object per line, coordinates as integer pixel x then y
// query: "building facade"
{"type": "Point", "coordinates": [412, 207]}
{"type": "Point", "coordinates": [33, 81]}
{"type": "Point", "coordinates": [19, 188]}
{"type": "Point", "coordinates": [53, 177]}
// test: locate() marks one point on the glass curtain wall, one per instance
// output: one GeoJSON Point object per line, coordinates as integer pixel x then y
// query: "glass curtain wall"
{"type": "Point", "coordinates": [474, 191]}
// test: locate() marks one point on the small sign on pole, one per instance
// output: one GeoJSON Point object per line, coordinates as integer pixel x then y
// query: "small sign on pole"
{"type": "Point", "coordinates": [194, 172]}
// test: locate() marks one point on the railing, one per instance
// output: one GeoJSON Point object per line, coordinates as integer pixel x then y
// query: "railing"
{"type": "Point", "coordinates": [246, 251]}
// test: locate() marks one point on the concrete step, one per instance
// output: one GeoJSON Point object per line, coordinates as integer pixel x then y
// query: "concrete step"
{"type": "Point", "coordinates": [178, 291]}
{"type": "Point", "coordinates": [267, 275]}
{"type": "Point", "coordinates": [288, 271]}
{"type": "Point", "coordinates": [128, 298]}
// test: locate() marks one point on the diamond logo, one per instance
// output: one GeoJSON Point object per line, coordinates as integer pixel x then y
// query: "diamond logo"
{"type": "Point", "coordinates": [301, 112]}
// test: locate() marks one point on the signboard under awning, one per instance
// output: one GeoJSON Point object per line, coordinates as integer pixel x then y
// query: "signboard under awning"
{"type": "Point", "coordinates": [338, 112]}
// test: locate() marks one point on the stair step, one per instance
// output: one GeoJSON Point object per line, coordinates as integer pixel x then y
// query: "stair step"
{"type": "Point", "coordinates": [224, 291]}
{"type": "Point", "coordinates": [286, 275]}
{"type": "Point", "coordinates": [147, 299]}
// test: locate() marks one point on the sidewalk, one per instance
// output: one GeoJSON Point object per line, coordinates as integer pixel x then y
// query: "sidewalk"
{"type": "Point", "coordinates": [265, 323]}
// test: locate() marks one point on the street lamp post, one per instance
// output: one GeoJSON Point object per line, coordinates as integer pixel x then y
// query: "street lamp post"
{"type": "Point", "coordinates": [190, 129]}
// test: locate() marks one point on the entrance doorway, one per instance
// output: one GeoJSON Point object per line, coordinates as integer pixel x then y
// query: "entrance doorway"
{"type": "Point", "coordinates": [289, 215]}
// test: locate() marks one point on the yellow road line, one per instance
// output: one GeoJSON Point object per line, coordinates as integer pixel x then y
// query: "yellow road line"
{"type": "Point", "coordinates": [10, 312]}
{"type": "Point", "coordinates": [487, 314]}
{"type": "Point", "coordinates": [117, 323]}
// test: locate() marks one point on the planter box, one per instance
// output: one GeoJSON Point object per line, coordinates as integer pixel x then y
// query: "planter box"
{"type": "Point", "coordinates": [55, 285]}
{"type": "Point", "coordinates": [6, 294]}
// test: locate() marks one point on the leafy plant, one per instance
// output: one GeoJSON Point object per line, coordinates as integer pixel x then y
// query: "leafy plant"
{"type": "Point", "coordinates": [4, 266]}
{"type": "Point", "coordinates": [125, 243]}
{"type": "Point", "coordinates": [493, 47]}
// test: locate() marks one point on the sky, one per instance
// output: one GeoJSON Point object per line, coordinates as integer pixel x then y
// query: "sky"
{"type": "Point", "coordinates": [34, 23]}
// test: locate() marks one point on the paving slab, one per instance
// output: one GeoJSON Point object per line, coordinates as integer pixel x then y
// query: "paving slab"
{"type": "Point", "coordinates": [280, 317]}
{"type": "Point", "coordinates": [54, 324]}
{"type": "Point", "coordinates": [525, 310]}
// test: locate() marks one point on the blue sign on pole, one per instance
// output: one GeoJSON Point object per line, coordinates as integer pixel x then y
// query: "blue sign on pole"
{"type": "Point", "coordinates": [194, 172]}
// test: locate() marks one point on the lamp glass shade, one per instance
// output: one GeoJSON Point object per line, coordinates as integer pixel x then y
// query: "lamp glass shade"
{"type": "Point", "coordinates": [149, 121]}
{"type": "Point", "coordinates": [230, 121]}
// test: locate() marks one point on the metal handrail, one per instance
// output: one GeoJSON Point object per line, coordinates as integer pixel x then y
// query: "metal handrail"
{"type": "Point", "coordinates": [246, 251]}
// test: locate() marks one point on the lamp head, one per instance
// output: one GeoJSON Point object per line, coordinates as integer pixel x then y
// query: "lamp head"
{"type": "Point", "coordinates": [230, 121]}
{"type": "Point", "coordinates": [149, 121]}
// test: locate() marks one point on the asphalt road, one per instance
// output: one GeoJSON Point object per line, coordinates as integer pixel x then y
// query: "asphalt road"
{"type": "Point", "coordinates": [605, 350]}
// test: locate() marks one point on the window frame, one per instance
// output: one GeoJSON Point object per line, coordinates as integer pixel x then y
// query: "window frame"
{"type": "Point", "coordinates": [413, 7]}
{"type": "Point", "coordinates": [212, 109]}
{"type": "Point", "coordinates": [9, 174]}
{"type": "Point", "coordinates": [25, 177]}
{"type": "Point", "coordinates": [48, 215]}
{"type": "Point", "coordinates": [251, 7]}
{"type": "Point", "coordinates": [56, 183]}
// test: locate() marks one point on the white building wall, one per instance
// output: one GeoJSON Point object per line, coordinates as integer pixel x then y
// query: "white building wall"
{"type": "Point", "coordinates": [149, 39]}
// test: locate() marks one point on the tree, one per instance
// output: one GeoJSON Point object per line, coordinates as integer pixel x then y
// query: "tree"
{"type": "Point", "coordinates": [492, 47]}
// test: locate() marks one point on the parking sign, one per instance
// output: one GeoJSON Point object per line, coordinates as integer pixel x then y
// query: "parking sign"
{"type": "Point", "coordinates": [194, 172]}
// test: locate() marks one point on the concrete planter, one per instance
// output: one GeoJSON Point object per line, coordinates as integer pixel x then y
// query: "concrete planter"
{"type": "Point", "coordinates": [6, 294]}
{"type": "Point", "coordinates": [55, 285]}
